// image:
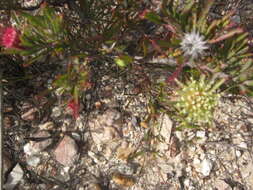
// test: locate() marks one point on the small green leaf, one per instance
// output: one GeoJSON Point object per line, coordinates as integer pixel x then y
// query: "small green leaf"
{"type": "Point", "coordinates": [242, 37]}
{"type": "Point", "coordinates": [212, 26]}
{"type": "Point", "coordinates": [154, 18]}
{"type": "Point", "coordinates": [145, 47]}
{"type": "Point", "coordinates": [25, 41]}
{"type": "Point", "coordinates": [112, 30]}
{"type": "Point", "coordinates": [188, 7]}
{"type": "Point", "coordinates": [203, 15]}
{"type": "Point", "coordinates": [164, 44]}
{"type": "Point", "coordinates": [37, 21]}
{"type": "Point", "coordinates": [164, 7]}
{"type": "Point", "coordinates": [52, 19]}
{"type": "Point", "coordinates": [123, 60]}
{"type": "Point", "coordinates": [10, 51]}
{"type": "Point", "coordinates": [120, 62]}
{"type": "Point", "coordinates": [227, 35]}
{"type": "Point", "coordinates": [61, 80]}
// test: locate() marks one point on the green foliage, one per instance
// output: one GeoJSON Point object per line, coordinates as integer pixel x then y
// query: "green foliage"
{"type": "Point", "coordinates": [75, 80]}
{"type": "Point", "coordinates": [227, 53]}
{"type": "Point", "coordinates": [198, 45]}
{"type": "Point", "coordinates": [227, 56]}
{"type": "Point", "coordinates": [44, 34]}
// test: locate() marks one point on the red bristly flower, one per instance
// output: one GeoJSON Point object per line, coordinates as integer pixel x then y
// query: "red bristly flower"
{"type": "Point", "coordinates": [74, 106]}
{"type": "Point", "coordinates": [10, 38]}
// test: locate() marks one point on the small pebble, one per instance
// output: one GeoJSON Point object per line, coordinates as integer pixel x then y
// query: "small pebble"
{"type": "Point", "coordinates": [14, 178]}
{"type": "Point", "coordinates": [206, 167]}
{"type": "Point", "coordinates": [66, 152]}
{"type": "Point", "coordinates": [33, 161]}
{"type": "Point", "coordinates": [201, 134]}
{"type": "Point", "coordinates": [243, 145]}
{"type": "Point", "coordinates": [238, 153]}
{"type": "Point", "coordinates": [56, 112]}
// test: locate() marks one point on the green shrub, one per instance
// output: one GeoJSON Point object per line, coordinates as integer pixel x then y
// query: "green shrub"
{"type": "Point", "coordinates": [119, 31]}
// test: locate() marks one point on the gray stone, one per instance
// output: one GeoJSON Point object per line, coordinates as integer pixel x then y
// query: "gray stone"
{"type": "Point", "coordinates": [66, 151]}
{"type": "Point", "coordinates": [29, 115]}
{"type": "Point", "coordinates": [6, 162]}
{"type": "Point", "coordinates": [34, 147]}
{"type": "Point", "coordinates": [31, 3]}
{"type": "Point", "coordinates": [14, 178]}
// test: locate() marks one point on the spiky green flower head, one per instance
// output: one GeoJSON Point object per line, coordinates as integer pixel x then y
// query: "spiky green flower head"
{"type": "Point", "coordinates": [196, 100]}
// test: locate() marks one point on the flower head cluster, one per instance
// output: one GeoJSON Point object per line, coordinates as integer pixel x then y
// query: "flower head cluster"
{"type": "Point", "coordinates": [10, 38]}
{"type": "Point", "coordinates": [196, 101]}
{"type": "Point", "coordinates": [193, 44]}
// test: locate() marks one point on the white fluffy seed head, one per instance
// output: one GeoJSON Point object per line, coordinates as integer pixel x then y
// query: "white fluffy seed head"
{"type": "Point", "coordinates": [193, 44]}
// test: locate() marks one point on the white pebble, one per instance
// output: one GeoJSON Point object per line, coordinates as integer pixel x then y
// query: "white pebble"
{"type": "Point", "coordinates": [238, 153]}
{"type": "Point", "coordinates": [179, 135]}
{"type": "Point", "coordinates": [188, 184]}
{"type": "Point", "coordinates": [201, 134]}
{"type": "Point", "coordinates": [14, 178]}
{"type": "Point", "coordinates": [29, 150]}
{"type": "Point", "coordinates": [196, 161]}
{"type": "Point", "coordinates": [33, 161]}
{"type": "Point", "coordinates": [56, 112]}
{"type": "Point", "coordinates": [206, 167]}
{"type": "Point", "coordinates": [191, 135]}
{"type": "Point", "coordinates": [243, 145]}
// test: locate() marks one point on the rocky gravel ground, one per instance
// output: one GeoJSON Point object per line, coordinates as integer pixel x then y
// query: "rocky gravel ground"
{"type": "Point", "coordinates": [110, 146]}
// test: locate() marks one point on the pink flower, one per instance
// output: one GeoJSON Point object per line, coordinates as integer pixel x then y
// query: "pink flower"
{"type": "Point", "coordinates": [74, 106]}
{"type": "Point", "coordinates": [10, 38]}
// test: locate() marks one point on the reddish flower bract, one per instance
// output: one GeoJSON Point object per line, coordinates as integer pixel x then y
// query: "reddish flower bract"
{"type": "Point", "coordinates": [10, 38]}
{"type": "Point", "coordinates": [74, 106]}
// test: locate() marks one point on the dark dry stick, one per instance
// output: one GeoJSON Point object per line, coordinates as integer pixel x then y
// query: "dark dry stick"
{"type": "Point", "coordinates": [1, 130]}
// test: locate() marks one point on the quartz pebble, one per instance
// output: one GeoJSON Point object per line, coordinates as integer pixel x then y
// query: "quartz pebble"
{"type": "Point", "coordinates": [14, 177]}
{"type": "Point", "coordinates": [238, 153]}
{"type": "Point", "coordinates": [31, 3]}
{"type": "Point", "coordinates": [166, 128]}
{"type": "Point", "coordinates": [206, 167]}
{"type": "Point", "coordinates": [34, 147]}
{"type": "Point", "coordinates": [201, 135]}
{"type": "Point", "coordinates": [188, 184]}
{"type": "Point", "coordinates": [164, 131]}
{"type": "Point", "coordinates": [56, 112]}
{"type": "Point", "coordinates": [243, 145]}
{"type": "Point", "coordinates": [47, 126]}
{"type": "Point", "coordinates": [33, 161]}
{"type": "Point", "coordinates": [179, 135]}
